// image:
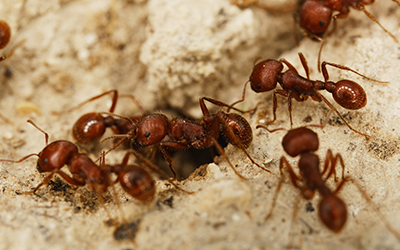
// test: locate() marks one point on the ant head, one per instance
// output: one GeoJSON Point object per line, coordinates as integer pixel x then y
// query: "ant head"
{"type": "Point", "coordinates": [333, 212]}
{"type": "Point", "coordinates": [300, 140]}
{"type": "Point", "coordinates": [238, 132]}
{"type": "Point", "coordinates": [151, 129]}
{"type": "Point", "coordinates": [137, 182]}
{"type": "Point", "coordinates": [55, 155]}
{"type": "Point", "coordinates": [5, 34]}
{"type": "Point", "coordinates": [264, 75]}
{"type": "Point", "coordinates": [89, 127]}
{"type": "Point", "coordinates": [315, 17]}
{"type": "Point", "coordinates": [349, 95]}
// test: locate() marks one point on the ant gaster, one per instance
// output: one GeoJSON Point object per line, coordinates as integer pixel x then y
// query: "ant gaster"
{"type": "Point", "coordinates": [268, 73]}
{"type": "Point", "coordinates": [332, 209]}
{"type": "Point", "coordinates": [135, 181]}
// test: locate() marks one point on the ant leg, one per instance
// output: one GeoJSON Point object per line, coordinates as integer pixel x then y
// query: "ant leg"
{"type": "Point", "coordinates": [221, 151]}
{"type": "Point", "coordinates": [294, 215]}
{"type": "Point", "coordinates": [66, 177]}
{"type": "Point", "coordinates": [290, 109]}
{"type": "Point", "coordinates": [44, 182]}
{"type": "Point", "coordinates": [243, 96]}
{"type": "Point", "coordinates": [269, 130]}
{"type": "Point", "coordinates": [167, 157]}
{"type": "Point", "coordinates": [326, 76]}
{"type": "Point", "coordinates": [205, 111]}
{"type": "Point", "coordinates": [305, 65]}
{"type": "Point", "coordinates": [275, 104]}
{"type": "Point", "coordinates": [341, 117]}
{"type": "Point", "coordinates": [111, 110]}
{"type": "Point", "coordinates": [155, 169]}
{"type": "Point", "coordinates": [362, 8]}
{"type": "Point", "coordinates": [374, 206]}
{"type": "Point", "coordinates": [281, 162]}
{"type": "Point", "coordinates": [289, 65]}
{"type": "Point", "coordinates": [46, 136]}
{"type": "Point", "coordinates": [329, 158]}
{"type": "Point", "coordinates": [322, 41]}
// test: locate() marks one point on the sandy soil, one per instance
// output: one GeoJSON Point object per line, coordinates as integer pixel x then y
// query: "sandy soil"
{"type": "Point", "coordinates": [168, 54]}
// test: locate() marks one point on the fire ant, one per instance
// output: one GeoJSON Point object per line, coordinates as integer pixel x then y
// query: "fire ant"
{"type": "Point", "coordinates": [135, 180]}
{"type": "Point", "coordinates": [181, 133]}
{"type": "Point", "coordinates": [268, 73]}
{"type": "Point", "coordinates": [316, 15]}
{"type": "Point", "coordinates": [332, 209]}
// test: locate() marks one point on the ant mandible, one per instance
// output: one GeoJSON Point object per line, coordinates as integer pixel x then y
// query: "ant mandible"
{"type": "Point", "coordinates": [316, 15]}
{"type": "Point", "coordinates": [268, 73]}
{"type": "Point", "coordinates": [332, 209]}
{"type": "Point", "coordinates": [135, 181]}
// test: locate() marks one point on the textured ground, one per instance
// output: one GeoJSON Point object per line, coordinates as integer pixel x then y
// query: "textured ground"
{"type": "Point", "coordinates": [168, 54]}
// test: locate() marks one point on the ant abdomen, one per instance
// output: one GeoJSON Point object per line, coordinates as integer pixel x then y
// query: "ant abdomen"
{"type": "Point", "coordinates": [242, 133]}
{"type": "Point", "coordinates": [315, 17]}
{"type": "Point", "coordinates": [89, 127]}
{"type": "Point", "coordinates": [300, 140]}
{"type": "Point", "coordinates": [5, 34]}
{"type": "Point", "coordinates": [349, 94]}
{"type": "Point", "coordinates": [137, 182]}
{"type": "Point", "coordinates": [333, 212]}
{"type": "Point", "coordinates": [265, 75]}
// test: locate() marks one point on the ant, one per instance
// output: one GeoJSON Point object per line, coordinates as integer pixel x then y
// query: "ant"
{"type": "Point", "coordinates": [135, 180]}
{"type": "Point", "coordinates": [316, 15]}
{"type": "Point", "coordinates": [268, 73]}
{"type": "Point", "coordinates": [181, 133]}
{"type": "Point", "coordinates": [332, 209]}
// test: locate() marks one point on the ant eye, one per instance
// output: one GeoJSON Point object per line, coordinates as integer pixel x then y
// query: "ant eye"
{"type": "Point", "coordinates": [147, 134]}
{"type": "Point", "coordinates": [45, 161]}
{"type": "Point", "coordinates": [258, 87]}
{"type": "Point", "coordinates": [321, 23]}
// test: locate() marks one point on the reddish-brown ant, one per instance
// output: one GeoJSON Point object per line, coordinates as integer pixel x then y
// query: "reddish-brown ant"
{"type": "Point", "coordinates": [268, 73]}
{"type": "Point", "coordinates": [181, 133]}
{"type": "Point", "coordinates": [316, 15]}
{"type": "Point", "coordinates": [332, 210]}
{"type": "Point", "coordinates": [135, 181]}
